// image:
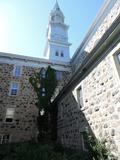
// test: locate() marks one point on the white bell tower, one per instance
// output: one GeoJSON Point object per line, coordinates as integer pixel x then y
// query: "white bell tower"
{"type": "Point", "coordinates": [57, 45]}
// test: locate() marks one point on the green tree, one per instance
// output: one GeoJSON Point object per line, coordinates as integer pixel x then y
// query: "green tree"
{"type": "Point", "coordinates": [44, 83]}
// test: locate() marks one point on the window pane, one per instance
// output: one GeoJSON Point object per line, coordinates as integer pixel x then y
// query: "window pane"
{"type": "Point", "coordinates": [43, 89]}
{"type": "Point", "coordinates": [43, 72]}
{"type": "Point", "coordinates": [14, 85]}
{"type": "Point", "coordinates": [10, 112]}
{"type": "Point", "coordinates": [0, 139]}
{"type": "Point", "coordinates": [118, 57]}
{"type": "Point", "coordinates": [17, 71]}
{"type": "Point", "coordinates": [57, 54]}
{"type": "Point", "coordinates": [14, 92]}
{"type": "Point", "coordinates": [9, 120]}
{"type": "Point", "coordinates": [14, 88]}
{"type": "Point", "coordinates": [62, 55]}
{"type": "Point", "coordinates": [80, 97]}
{"type": "Point", "coordinates": [5, 139]}
{"type": "Point", "coordinates": [43, 94]}
{"type": "Point", "coordinates": [58, 75]}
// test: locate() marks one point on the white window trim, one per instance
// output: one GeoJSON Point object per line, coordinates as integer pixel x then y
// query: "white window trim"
{"type": "Point", "coordinates": [11, 88]}
{"type": "Point", "coordinates": [21, 68]}
{"type": "Point", "coordinates": [12, 117]}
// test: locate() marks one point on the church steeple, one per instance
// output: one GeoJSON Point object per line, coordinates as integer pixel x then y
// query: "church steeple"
{"type": "Point", "coordinates": [56, 7]}
{"type": "Point", "coordinates": [57, 46]}
{"type": "Point", "coordinates": [56, 15]}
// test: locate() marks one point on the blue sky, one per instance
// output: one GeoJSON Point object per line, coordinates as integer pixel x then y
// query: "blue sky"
{"type": "Point", "coordinates": [23, 23]}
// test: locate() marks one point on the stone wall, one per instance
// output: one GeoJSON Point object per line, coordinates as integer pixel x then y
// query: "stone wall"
{"type": "Point", "coordinates": [23, 127]}
{"type": "Point", "coordinates": [99, 27]}
{"type": "Point", "coordinates": [71, 122]}
{"type": "Point", "coordinates": [107, 22]}
{"type": "Point", "coordinates": [102, 101]}
{"type": "Point", "coordinates": [100, 111]}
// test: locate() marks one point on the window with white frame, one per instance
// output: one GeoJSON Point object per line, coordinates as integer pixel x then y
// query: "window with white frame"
{"type": "Point", "coordinates": [17, 71]}
{"type": "Point", "coordinates": [4, 138]}
{"type": "Point", "coordinates": [14, 88]}
{"type": "Point", "coordinates": [80, 97]}
{"type": "Point", "coordinates": [9, 114]}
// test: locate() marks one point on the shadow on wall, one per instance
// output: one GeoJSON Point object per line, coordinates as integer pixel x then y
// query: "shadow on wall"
{"type": "Point", "coordinates": [73, 124]}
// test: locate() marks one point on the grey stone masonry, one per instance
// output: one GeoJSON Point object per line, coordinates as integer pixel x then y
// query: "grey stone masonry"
{"type": "Point", "coordinates": [23, 126]}
{"type": "Point", "coordinates": [97, 108]}
{"type": "Point", "coordinates": [109, 19]}
{"type": "Point", "coordinates": [105, 18]}
{"type": "Point", "coordinates": [91, 100]}
{"type": "Point", "coordinates": [102, 101]}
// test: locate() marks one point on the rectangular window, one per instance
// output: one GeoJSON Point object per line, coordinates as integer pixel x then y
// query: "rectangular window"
{"type": "Point", "coordinates": [9, 114]}
{"type": "Point", "coordinates": [17, 71]}
{"type": "Point", "coordinates": [4, 138]}
{"type": "Point", "coordinates": [56, 53]}
{"type": "Point", "coordinates": [84, 139]}
{"type": "Point", "coordinates": [43, 73]}
{"type": "Point", "coordinates": [14, 88]}
{"type": "Point", "coordinates": [80, 97]}
{"type": "Point", "coordinates": [43, 92]}
{"type": "Point", "coordinates": [62, 55]}
{"type": "Point", "coordinates": [118, 56]}
{"type": "Point", "coordinates": [58, 75]}
{"type": "Point", "coordinates": [117, 61]}
{"type": "Point", "coordinates": [61, 111]}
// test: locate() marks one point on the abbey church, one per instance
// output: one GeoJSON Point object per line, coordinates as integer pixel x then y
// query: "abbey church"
{"type": "Point", "coordinates": [88, 92]}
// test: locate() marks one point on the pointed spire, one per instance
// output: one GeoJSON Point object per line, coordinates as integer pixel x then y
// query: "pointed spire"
{"type": "Point", "coordinates": [56, 14]}
{"type": "Point", "coordinates": [56, 7]}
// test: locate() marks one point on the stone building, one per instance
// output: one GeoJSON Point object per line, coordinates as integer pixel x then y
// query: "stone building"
{"type": "Point", "coordinates": [90, 98]}
{"type": "Point", "coordinates": [17, 99]}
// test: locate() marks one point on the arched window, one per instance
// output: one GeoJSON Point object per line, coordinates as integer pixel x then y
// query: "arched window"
{"type": "Point", "coordinates": [62, 54]}
{"type": "Point", "coordinates": [56, 53]}
{"type": "Point", "coordinates": [53, 18]}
